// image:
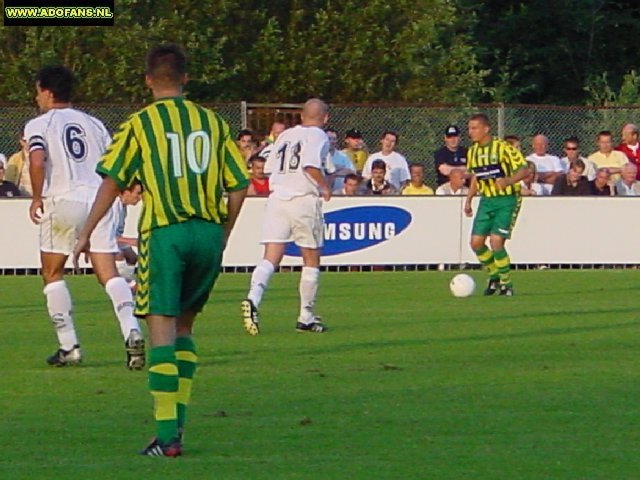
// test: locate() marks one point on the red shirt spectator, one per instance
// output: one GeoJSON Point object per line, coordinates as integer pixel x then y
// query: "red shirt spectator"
{"type": "Point", "coordinates": [259, 181]}
{"type": "Point", "coordinates": [630, 146]}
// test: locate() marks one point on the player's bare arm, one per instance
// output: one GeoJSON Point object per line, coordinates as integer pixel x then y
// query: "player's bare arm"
{"type": "Point", "coordinates": [234, 205]}
{"type": "Point", "coordinates": [502, 183]}
{"type": "Point", "coordinates": [105, 197]}
{"type": "Point", "coordinates": [473, 190]}
{"type": "Point", "coordinates": [317, 176]}
{"type": "Point", "coordinates": [37, 160]}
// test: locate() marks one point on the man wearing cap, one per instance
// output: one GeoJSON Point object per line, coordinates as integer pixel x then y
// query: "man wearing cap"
{"type": "Point", "coordinates": [355, 148]}
{"type": "Point", "coordinates": [451, 156]}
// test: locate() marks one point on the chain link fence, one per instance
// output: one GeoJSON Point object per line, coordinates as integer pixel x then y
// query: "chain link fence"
{"type": "Point", "coordinates": [421, 127]}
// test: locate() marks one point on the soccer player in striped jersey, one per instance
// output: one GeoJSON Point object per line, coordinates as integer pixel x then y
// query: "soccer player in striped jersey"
{"type": "Point", "coordinates": [497, 169]}
{"type": "Point", "coordinates": [185, 158]}
{"type": "Point", "coordinates": [65, 145]}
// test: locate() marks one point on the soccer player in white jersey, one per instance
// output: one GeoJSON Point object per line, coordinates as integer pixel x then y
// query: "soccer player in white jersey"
{"type": "Point", "coordinates": [64, 148]}
{"type": "Point", "coordinates": [294, 212]}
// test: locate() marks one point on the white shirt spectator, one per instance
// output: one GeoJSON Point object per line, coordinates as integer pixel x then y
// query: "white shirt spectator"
{"type": "Point", "coordinates": [536, 188]}
{"type": "Point", "coordinates": [546, 164]}
{"type": "Point", "coordinates": [397, 168]}
{"type": "Point", "coordinates": [295, 149]}
{"type": "Point", "coordinates": [445, 189]}
{"type": "Point", "coordinates": [74, 142]}
{"type": "Point", "coordinates": [624, 190]}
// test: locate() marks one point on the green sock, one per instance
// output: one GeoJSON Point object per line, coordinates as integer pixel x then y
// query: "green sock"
{"type": "Point", "coordinates": [486, 258]}
{"type": "Point", "coordinates": [163, 384]}
{"type": "Point", "coordinates": [187, 363]}
{"type": "Point", "coordinates": [503, 263]}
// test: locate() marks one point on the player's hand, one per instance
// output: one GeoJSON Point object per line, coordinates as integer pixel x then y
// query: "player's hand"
{"type": "Point", "coordinates": [501, 183]}
{"type": "Point", "coordinates": [82, 246]}
{"type": "Point", "coordinates": [36, 210]}
{"type": "Point", "coordinates": [326, 194]}
{"type": "Point", "coordinates": [468, 210]}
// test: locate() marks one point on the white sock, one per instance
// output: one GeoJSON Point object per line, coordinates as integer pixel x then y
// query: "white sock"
{"type": "Point", "coordinates": [259, 281]}
{"type": "Point", "coordinates": [122, 299]}
{"type": "Point", "coordinates": [308, 290]}
{"type": "Point", "coordinates": [60, 306]}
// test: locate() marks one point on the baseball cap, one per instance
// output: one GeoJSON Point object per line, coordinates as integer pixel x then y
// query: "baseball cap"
{"type": "Point", "coordinates": [353, 133]}
{"type": "Point", "coordinates": [452, 131]}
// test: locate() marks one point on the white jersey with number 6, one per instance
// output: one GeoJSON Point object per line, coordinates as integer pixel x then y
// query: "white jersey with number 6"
{"type": "Point", "coordinates": [295, 149]}
{"type": "Point", "coordinates": [73, 143]}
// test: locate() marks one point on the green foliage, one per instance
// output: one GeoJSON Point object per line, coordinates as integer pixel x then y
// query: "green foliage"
{"type": "Point", "coordinates": [601, 93]}
{"type": "Point", "coordinates": [268, 51]}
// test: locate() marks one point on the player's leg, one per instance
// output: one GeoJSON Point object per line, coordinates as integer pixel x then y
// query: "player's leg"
{"type": "Point", "coordinates": [103, 250]}
{"type": "Point", "coordinates": [308, 235]}
{"type": "Point", "coordinates": [57, 238]}
{"type": "Point", "coordinates": [60, 306]}
{"type": "Point", "coordinates": [501, 231]}
{"type": "Point", "coordinates": [203, 264]}
{"type": "Point", "coordinates": [158, 301]}
{"type": "Point", "coordinates": [482, 224]}
{"type": "Point", "coordinates": [276, 232]}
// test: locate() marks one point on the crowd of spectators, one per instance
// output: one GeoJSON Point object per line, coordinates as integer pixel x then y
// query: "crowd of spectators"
{"type": "Point", "coordinates": [352, 170]}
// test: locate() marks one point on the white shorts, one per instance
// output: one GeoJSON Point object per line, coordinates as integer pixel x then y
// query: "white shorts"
{"type": "Point", "coordinates": [299, 219]}
{"type": "Point", "coordinates": [62, 221]}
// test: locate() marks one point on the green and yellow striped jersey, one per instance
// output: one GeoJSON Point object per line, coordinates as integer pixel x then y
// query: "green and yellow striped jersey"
{"type": "Point", "coordinates": [494, 160]}
{"type": "Point", "coordinates": [184, 157]}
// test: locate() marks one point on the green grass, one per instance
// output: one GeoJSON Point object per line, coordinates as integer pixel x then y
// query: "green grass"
{"type": "Point", "coordinates": [410, 383]}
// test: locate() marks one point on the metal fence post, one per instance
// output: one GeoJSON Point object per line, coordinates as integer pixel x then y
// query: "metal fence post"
{"type": "Point", "coordinates": [501, 128]}
{"type": "Point", "coordinates": [243, 114]}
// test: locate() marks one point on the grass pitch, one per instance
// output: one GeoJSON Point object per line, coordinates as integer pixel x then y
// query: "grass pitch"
{"type": "Point", "coordinates": [409, 383]}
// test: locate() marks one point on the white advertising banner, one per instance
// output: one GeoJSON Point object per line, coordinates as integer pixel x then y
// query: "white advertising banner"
{"type": "Point", "coordinates": [405, 231]}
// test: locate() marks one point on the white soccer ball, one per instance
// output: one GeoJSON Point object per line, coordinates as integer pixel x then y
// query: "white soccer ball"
{"type": "Point", "coordinates": [462, 285]}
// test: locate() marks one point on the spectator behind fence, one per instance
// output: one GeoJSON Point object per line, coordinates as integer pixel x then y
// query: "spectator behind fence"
{"type": "Point", "coordinates": [573, 183]}
{"type": "Point", "coordinates": [455, 185]}
{"type": "Point", "coordinates": [451, 156]}
{"type": "Point", "coordinates": [416, 185]}
{"type": "Point", "coordinates": [377, 184]}
{"type": "Point", "coordinates": [246, 143]}
{"type": "Point", "coordinates": [7, 189]}
{"type": "Point", "coordinates": [572, 153]}
{"type": "Point", "coordinates": [514, 141]}
{"type": "Point", "coordinates": [397, 167]}
{"type": "Point", "coordinates": [350, 186]}
{"type": "Point", "coordinates": [529, 185]}
{"type": "Point", "coordinates": [630, 146]}
{"type": "Point", "coordinates": [259, 183]}
{"type": "Point", "coordinates": [600, 185]}
{"type": "Point", "coordinates": [607, 157]}
{"type": "Point", "coordinates": [341, 162]}
{"type": "Point", "coordinates": [17, 168]}
{"type": "Point", "coordinates": [548, 166]}
{"type": "Point", "coordinates": [277, 128]}
{"type": "Point", "coordinates": [355, 149]}
{"type": "Point", "coordinates": [628, 186]}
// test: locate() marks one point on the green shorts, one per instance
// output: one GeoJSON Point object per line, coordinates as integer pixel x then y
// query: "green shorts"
{"type": "Point", "coordinates": [177, 267]}
{"type": "Point", "coordinates": [496, 216]}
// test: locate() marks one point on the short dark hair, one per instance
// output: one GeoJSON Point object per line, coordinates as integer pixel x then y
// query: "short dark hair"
{"type": "Point", "coordinates": [480, 117]}
{"type": "Point", "coordinates": [511, 138]}
{"type": "Point", "coordinates": [378, 164]}
{"type": "Point", "coordinates": [572, 139]}
{"type": "Point", "coordinates": [136, 182]}
{"type": "Point", "coordinates": [256, 157]}
{"type": "Point", "coordinates": [330, 129]}
{"type": "Point", "coordinates": [243, 133]}
{"type": "Point", "coordinates": [59, 80]}
{"type": "Point", "coordinates": [167, 63]}
{"type": "Point", "coordinates": [578, 163]}
{"type": "Point", "coordinates": [351, 176]}
{"type": "Point", "coordinates": [604, 133]}
{"type": "Point", "coordinates": [416, 165]}
{"type": "Point", "coordinates": [390, 132]}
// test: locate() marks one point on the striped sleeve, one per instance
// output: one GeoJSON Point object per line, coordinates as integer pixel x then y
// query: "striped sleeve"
{"type": "Point", "coordinates": [122, 160]}
{"type": "Point", "coordinates": [515, 158]}
{"type": "Point", "coordinates": [234, 168]}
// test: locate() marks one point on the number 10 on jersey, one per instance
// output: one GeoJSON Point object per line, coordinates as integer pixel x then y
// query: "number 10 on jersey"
{"type": "Point", "coordinates": [197, 163]}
